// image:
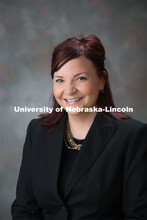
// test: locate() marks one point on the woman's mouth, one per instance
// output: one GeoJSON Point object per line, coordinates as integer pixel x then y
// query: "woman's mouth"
{"type": "Point", "coordinates": [73, 101]}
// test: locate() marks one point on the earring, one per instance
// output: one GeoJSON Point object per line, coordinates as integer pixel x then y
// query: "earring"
{"type": "Point", "coordinates": [102, 91]}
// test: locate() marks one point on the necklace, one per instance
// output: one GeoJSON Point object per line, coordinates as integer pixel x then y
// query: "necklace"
{"type": "Point", "coordinates": [68, 139]}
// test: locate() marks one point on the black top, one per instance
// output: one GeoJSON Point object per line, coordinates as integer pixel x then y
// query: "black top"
{"type": "Point", "coordinates": [109, 172]}
{"type": "Point", "coordinates": [67, 160]}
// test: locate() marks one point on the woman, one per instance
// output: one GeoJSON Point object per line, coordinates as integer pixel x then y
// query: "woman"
{"type": "Point", "coordinates": [82, 165]}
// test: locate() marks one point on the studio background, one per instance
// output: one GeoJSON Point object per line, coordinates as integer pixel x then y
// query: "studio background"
{"type": "Point", "coordinates": [29, 30]}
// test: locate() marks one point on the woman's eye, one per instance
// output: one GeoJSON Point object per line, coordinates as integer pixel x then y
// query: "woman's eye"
{"type": "Point", "coordinates": [82, 78]}
{"type": "Point", "coordinates": [59, 80]}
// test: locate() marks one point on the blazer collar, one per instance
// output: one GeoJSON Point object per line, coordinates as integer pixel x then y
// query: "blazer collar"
{"type": "Point", "coordinates": [97, 138]}
{"type": "Point", "coordinates": [99, 134]}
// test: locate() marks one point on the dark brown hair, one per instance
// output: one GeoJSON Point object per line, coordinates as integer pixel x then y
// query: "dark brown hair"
{"type": "Point", "coordinates": [90, 47]}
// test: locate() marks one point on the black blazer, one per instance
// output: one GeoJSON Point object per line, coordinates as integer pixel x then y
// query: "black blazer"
{"type": "Point", "coordinates": [107, 180]}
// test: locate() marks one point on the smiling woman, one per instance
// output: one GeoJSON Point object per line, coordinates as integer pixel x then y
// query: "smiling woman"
{"type": "Point", "coordinates": [78, 90]}
{"type": "Point", "coordinates": [81, 89]}
{"type": "Point", "coordinates": [81, 56]}
{"type": "Point", "coordinates": [80, 164]}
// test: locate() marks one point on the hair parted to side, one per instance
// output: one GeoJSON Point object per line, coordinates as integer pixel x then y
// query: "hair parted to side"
{"type": "Point", "coordinates": [90, 47]}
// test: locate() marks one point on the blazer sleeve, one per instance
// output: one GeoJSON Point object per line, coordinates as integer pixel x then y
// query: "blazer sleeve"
{"type": "Point", "coordinates": [134, 176]}
{"type": "Point", "coordinates": [25, 206]}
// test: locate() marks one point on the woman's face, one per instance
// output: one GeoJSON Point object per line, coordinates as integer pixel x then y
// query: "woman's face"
{"type": "Point", "coordinates": [77, 84]}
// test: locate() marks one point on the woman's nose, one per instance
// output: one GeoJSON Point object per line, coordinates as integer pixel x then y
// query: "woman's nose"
{"type": "Point", "coordinates": [70, 88]}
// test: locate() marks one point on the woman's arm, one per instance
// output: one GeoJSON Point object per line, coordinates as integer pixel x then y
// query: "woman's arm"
{"type": "Point", "coordinates": [25, 206]}
{"type": "Point", "coordinates": [135, 174]}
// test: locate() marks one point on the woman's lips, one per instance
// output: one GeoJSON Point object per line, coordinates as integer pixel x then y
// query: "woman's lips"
{"type": "Point", "coordinates": [72, 101]}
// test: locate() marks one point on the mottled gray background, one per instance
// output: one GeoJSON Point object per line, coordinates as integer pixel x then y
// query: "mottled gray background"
{"type": "Point", "coordinates": [29, 30]}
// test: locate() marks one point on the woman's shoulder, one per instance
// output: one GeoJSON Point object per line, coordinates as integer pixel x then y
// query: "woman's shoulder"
{"type": "Point", "coordinates": [130, 125]}
{"type": "Point", "coordinates": [35, 125]}
{"type": "Point", "coordinates": [130, 122]}
{"type": "Point", "coordinates": [36, 122]}
{"type": "Point", "coordinates": [126, 122]}
{"type": "Point", "coordinates": [42, 124]}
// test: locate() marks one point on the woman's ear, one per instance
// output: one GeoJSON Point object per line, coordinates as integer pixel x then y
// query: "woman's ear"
{"type": "Point", "coordinates": [103, 79]}
{"type": "Point", "coordinates": [105, 74]}
{"type": "Point", "coordinates": [102, 84]}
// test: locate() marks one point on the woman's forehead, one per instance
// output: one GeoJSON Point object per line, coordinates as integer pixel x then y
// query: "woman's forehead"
{"type": "Point", "coordinates": [77, 65]}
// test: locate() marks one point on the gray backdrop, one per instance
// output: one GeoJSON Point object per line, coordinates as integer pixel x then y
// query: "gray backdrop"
{"type": "Point", "coordinates": [29, 30]}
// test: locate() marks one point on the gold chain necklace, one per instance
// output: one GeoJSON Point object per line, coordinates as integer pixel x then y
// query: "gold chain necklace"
{"type": "Point", "coordinates": [68, 139]}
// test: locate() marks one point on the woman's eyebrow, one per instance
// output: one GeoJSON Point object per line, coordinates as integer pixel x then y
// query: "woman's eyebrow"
{"type": "Point", "coordinates": [74, 75]}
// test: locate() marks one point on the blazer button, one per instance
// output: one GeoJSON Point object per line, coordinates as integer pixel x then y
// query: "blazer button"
{"type": "Point", "coordinates": [64, 208]}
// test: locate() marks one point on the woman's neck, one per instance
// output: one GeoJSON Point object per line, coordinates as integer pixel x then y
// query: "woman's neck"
{"type": "Point", "coordinates": [80, 124]}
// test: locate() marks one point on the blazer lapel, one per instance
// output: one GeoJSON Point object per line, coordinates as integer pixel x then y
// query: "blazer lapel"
{"type": "Point", "coordinates": [53, 142]}
{"type": "Point", "coordinates": [97, 138]}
